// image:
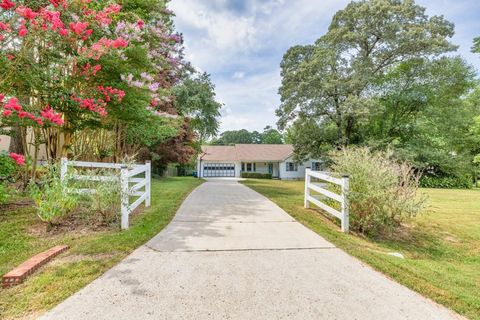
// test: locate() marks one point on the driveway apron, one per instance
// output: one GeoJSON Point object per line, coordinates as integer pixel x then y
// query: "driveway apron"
{"type": "Point", "coordinates": [231, 253]}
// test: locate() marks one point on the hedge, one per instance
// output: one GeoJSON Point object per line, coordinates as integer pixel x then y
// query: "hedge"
{"type": "Point", "coordinates": [446, 182]}
{"type": "Point", "coordinates": [256, 175]}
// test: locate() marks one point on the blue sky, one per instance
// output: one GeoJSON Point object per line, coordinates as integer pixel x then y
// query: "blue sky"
{"type": "Point", "coordinates": [241, 44]}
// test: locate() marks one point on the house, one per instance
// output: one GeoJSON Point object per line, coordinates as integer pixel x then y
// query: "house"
{"type": "Point", "coordinates": [231, 161]}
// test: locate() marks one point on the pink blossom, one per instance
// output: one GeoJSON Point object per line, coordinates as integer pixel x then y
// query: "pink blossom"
{"type": "Point", "coordinates": [12, 103]}
{"type": "Point", "coordinates": [7, 4]}
{"type": "Point", "coordinates": [6, 113]}
{"type": "Point", "coordinates": [78, 27]}
{"type": "Point", "coordinates": [26, 12]}
{"type": "Point", "coordinates": [22, 32]}
{"type": "Point", "coordinates": [140, 23]}
{"type": "Point", "coordinates": [119, 43]}
{"type": "Point", "coordinates": [18, 158]}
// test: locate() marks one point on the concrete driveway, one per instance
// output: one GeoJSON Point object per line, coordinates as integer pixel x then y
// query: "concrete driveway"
{"type": "Point", "coordinates": [230, 253]}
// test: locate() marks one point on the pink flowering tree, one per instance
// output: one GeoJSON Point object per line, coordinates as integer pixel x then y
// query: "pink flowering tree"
{"type": "Point", "coordinates": [69, 67]}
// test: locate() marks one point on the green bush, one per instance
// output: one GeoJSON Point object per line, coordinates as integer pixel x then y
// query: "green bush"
{"type": "Point", "coordinates": [383, 192]}
{"type": "Point", "coordinates": [51, 198]}
{"type": "Point", "coordinates": [256, 175]}
{"type": "Point", "coordinates": [446, 182]}
{"type": "Point", "coordinates": [7, 166]}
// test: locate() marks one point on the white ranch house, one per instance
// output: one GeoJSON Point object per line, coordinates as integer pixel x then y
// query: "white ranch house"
{"type": "Point", "coordinates": [231, 161]}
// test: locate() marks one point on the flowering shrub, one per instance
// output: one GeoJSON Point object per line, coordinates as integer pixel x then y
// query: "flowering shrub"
{"type": "Point", "coordinates": [64, 73]}
{"type": "Point", "coordinates": [383, 193]}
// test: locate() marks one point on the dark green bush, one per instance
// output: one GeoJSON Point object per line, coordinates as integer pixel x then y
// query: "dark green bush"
{"type": "Point", "coordinates": [7, 166]}
{"type": "Point", "coordinates": [256, 175]}
{"type": "Point", "coordinates": [453, 182]}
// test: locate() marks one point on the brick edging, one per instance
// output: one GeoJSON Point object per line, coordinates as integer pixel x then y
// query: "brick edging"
{"type": "Point", "coordinates": [20, 273]}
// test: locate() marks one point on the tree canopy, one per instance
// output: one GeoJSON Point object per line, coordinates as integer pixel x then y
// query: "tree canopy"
{"type": "Point", "coordinates": [268, 136]}
{"type": "Point", "coordinates": [380, 76]}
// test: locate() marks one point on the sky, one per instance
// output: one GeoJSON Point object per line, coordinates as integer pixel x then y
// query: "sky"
{"type": "Point", "coordinates": [240, 43]}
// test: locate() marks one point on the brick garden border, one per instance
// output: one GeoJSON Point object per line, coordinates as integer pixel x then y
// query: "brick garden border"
{"type": "Point", "coordinates": [20, 273]}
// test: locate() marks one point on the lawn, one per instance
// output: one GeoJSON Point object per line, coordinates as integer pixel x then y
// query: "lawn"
{"type": "Point", "coordinates": [90, 254]}
{"type": "Point", "coordinates": [441, 246]}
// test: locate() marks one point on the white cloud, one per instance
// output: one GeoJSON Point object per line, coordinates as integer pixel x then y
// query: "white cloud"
{"type": "Point", "coordinates": [238, 75]}
{"type": "Point", "coordinates": [231, 39]}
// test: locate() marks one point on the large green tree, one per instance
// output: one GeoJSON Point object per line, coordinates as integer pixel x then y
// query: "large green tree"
{"type": "Point", "coordinates": [331, 89]}
{"type": "Point", "coordinates": [195, 98]}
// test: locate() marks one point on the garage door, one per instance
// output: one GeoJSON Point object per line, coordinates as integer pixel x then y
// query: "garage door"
{"type": "Point", "coordinates": [218, 170]}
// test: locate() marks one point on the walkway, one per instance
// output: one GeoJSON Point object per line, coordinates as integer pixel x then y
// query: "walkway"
{"type": "Point", "coordinates": [230, 253]}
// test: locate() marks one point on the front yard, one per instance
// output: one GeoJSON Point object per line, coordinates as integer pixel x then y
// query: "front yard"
{"type": "Point", "coordinates": [441, 247]}
{"type": "Point", "coordinates": [91, 253]}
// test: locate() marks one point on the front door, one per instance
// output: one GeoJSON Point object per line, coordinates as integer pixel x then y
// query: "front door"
{"type": "Point", "coordinates": [270, 168]}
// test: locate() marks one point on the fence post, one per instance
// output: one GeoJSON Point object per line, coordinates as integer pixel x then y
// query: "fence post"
{"type": "Point", "coordinates": [345, 218]}
{"type": "Point", "coordinates": [63, 168]}
{"type": "Point", "coordinates": [124, 197]}
{"type": "Point", "coordinates": [148, 186]}
{"type": "Point", "coordinates": [306, 203]}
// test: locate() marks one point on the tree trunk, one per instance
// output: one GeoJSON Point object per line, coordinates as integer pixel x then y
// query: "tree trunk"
{"type": "Point", "coordinates": [16, 141]}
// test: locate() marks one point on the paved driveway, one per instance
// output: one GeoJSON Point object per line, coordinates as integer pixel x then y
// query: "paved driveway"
{"type": "Point", "coordinates": [230, 253]}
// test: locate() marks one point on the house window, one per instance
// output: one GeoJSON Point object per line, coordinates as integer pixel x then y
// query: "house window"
{"type": "Point", "coordinates": [290, 166]}
{"type": "Point", "coordinates": [316, 166]}
{"type": "Point", "coordinates": [249, 167]}
{"type": "Point", "coordinates": [243, 166]}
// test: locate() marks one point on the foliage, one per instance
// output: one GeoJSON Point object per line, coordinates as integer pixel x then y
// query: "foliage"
{"type": "Point", "coordinates": [180, 149]}
{"type": "Point", "coordinates": [7, 166]}
{"type": "Point", "coordinates": [52, 200]}
{"type": "Point", "coordinates": [3, 193]}
{"type": "Point", "coordinates": [385, 85]}
{"type": "Point", "coordinates": [256, 175]}
{"type": "Point", "coordinates": [195, 98]}
{"type": "Point", "coordinates": [382, 192]}
{"type": "Point", "coordinates": [268, 136]}
{"type": "Point", "coordinates": [76, 67]}
{"type": "Point", "coordinates": [103, 205]}
{"type": "Point", "coordinates": [449, 182]}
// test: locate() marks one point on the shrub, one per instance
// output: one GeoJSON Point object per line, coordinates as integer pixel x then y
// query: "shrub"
{"type": "Point", "coordinates": [7, 166]}
{"type": "Point", "coordinates": [428, 181]}
{"type": "Point", "coordinates": [103, 205]}
{"type": "Point", "coordinates": [382, 193]}
{"type": "Point", "coordinates": [51, 198]}
{"type": "Point", "coordinates": [256, 175]}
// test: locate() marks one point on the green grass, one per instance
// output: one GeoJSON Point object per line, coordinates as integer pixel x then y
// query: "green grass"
{"type": "Point", "coordinates": [441, 246]}
{"type": "Point", "coordinates": [90, 254]}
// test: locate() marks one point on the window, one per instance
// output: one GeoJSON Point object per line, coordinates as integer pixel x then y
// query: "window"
{"type": "Point", "coordinates": [249, 167]}
{"type": "Point", "coordinates": [243, 166]}
{"type": "Point", "coordinates": [316, 166]}
{"type": "Point", "coordinates": [290, 166]}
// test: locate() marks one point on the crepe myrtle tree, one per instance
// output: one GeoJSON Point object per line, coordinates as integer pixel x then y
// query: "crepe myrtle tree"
{"type": "Point", "coordinates": [66, 66]}
{"type": "Point", "coordinates": [49, 62]}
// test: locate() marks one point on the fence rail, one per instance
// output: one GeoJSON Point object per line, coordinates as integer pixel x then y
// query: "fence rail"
{"type": "Point", "coordinates": [126, 176]}
{"type": "Point", "coordinates": [319, 188]}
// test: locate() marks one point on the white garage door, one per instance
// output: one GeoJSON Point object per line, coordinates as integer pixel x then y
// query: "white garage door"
{"type": "Point", "coordinates": [218, 170]}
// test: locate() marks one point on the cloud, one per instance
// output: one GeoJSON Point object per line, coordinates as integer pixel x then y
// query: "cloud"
{"type": "Point", "coordinates": [238, 75]}
{"type": "Point", "coordinates": [241, 44]}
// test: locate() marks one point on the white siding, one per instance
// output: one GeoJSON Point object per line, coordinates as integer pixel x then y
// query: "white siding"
{"type": "Point", "coordinates": [299, 174]}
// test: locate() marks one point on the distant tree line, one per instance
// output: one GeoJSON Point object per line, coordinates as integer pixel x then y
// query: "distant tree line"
{"type": "Point", "coordinates": [268, 136]}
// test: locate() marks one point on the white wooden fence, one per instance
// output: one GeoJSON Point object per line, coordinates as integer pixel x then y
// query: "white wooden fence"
{"type": "Point", "coordinates": [126, 177]}
{"type": "Point", "coordinates": [319, 187]}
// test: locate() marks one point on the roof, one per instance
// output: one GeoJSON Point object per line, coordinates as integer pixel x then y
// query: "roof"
{"type": "Point", "coordinates": [247, 152]}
